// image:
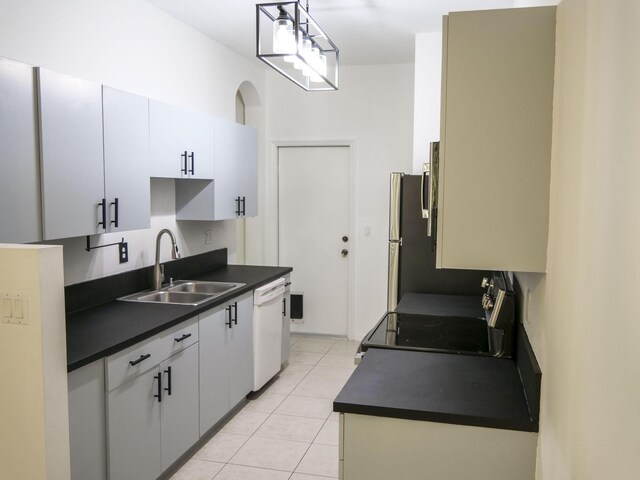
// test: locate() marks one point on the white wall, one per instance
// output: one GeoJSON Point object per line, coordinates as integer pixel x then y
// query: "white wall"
{"type": "Point", "coordinates": [584, 316]}
{"type": "Point", "coordinates": [129, 44]}
{"type": "Point", "coordinates": [426, 113]}
{"type": "Point", "coordinates": [374, 108]}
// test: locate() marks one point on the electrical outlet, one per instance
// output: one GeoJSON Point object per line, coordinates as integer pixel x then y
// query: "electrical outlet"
{"type": "Point", "coordinates": [123, 252]}
{"type": "Point", "coordinates": [207, 237]}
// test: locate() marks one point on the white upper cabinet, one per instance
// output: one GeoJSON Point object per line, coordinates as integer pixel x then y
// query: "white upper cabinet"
{"type": "Point", "coordinates": [126, 160]}
{"type": "Point", "coordinates": [182, 142]}
{"type": "Point", "coordinates": [71, 156]}
{"type": "Point", "coordinates": [236, 184]}
{"type": "Point", "coordinates": [234, 191]}
{"type": "Point", "coordinates": [20, 219]}
{"type": "Point", "coordinates": [247, 138]}
{"type": "Point", "coordinates": [95, 157]}
{"type": "Point", "coordinates": [226, 202]}
{"type": "Point", "coordinates": [495, 150]}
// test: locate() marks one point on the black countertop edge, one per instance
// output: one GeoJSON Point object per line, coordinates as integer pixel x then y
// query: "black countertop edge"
{"type": "Point", "coordinates": [438, 417]}
{"type": "Point", "coordinates": [74, 365]}
{"type": "Point", "coordinates": [186, 313]}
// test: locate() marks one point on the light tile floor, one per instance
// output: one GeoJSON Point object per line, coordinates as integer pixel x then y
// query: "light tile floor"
{"type": "Point", "coordinates": [289, 432]}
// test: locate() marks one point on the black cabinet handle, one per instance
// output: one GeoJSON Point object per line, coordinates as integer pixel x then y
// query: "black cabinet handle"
{"type": "Point", "coordinates": [103, 206]}
{"type": "Point", "coordinates": [238, 206]}
{"type": "Point", "coordinates": [141, 359]}
{"type": "Point", "coordinates": [235, 314]}
{"type": "Point", "coordinates": [168, 387]}
{"type": "Point", "coordinates": [158, 377]}
{"type": "Point", "coordinates": [284, 307]}
{"type": "Point", "coordinates": [115, 204]}
{"type": "Point", "coordinates": [183, 156]}
{"type": "Point", "coordinates": [244, 204]}
{"type": "Point", "coordinates": [182, 338]}
{"type": "Point", "coordinates": [228, 309]}
{"type": "Point", "coordinates": [193, 167]}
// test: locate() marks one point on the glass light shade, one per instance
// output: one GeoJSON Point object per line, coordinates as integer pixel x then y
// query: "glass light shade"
{"type": "Point", "coordinates": [284, 40]}
{"type": "Point", "coordinates": [321, 67]}
{"type": "Point", "coordinates": [304, 48]}
{"type": "Point", "coordinates": [314, 62]}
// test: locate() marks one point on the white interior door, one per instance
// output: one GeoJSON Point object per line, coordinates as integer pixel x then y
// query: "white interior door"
{"type": "Point", "coordinates": [314, 208]}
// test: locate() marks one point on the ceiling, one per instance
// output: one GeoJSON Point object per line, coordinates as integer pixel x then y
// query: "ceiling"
{"type": "Point", "coordinates": [366, 31]}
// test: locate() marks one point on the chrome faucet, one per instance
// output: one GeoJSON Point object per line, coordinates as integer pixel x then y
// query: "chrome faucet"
{"type": "Point", "coordinates": [158, 270]}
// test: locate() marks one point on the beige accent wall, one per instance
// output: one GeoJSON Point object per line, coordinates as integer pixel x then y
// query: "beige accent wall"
{"type": "Point", "coordinates": [584, 315]}
{"type": "Point", "coordinates": [34, 424]}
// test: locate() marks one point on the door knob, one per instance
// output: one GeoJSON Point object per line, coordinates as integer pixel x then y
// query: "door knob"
{"type": "Point", "coordinates": [344, 252]}
{"type": "Point", "coordinates": [345, 239]}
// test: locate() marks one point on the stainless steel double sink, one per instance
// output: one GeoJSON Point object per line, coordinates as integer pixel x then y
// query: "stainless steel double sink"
{"type": "Point", "coordinates": [184, 292]}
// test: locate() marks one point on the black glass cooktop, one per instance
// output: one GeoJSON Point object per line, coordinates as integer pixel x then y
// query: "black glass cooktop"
{"type": "Point", "coordinates": [430, 333]}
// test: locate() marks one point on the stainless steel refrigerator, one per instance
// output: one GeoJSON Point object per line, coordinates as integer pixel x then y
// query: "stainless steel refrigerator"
{"type": "Point", "coordinates": [412, 256]}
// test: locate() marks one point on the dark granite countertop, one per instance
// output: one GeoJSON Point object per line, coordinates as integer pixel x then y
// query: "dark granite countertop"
{"type": "Point", "coordinates": [99, 331]}
{"type": "Point", "coordinates": [438, 387]}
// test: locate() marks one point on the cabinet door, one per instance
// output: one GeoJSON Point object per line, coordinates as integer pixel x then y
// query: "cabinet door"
{"type": "Point", "coordinates": [19, 178]}
{"type": "Point", "coordinates": [134, 429]}
{"type": "Point", "coordinates": [87, 428]}
{"type": "Point", "coordinates": [71, 155]}
{"type": "Point", "coordinates": [126, 159]}
{"type": "Point", "coordinates": [240, 341]}
{"type": "Point", "coordinates": [247, 138]}
{"type": "Point", "coordinates": [179, 420]}
{"type": "Point", "coordinates": [175, 134]}
{"type": "Point", "coordinates": [214, 381]}
{"type": "Point", "coordinates": [226, 175]}
{"type": "Point", "coordinates": [497, 99]}
{"type": "Point", "coordinates": [200, 143]}
{"type": "Point", "coordinates": [167, 142]}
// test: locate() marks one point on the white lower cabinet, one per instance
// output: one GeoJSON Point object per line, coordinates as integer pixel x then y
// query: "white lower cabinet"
{"type": "Point", "coordinates": [134, 429]}
{"type": "Point", "coordinates": [179, 425]}
{"type": "Point", "coordinates": [226, 358]}
{"type": "Point", "coordinates": [240, 342]}
{"type": "Point", "coordinates": [87, 429]}
{"type": "Point", "coordinates": [380, 448]}
{"type": "Point", "coordinates": [152, 418]}
{"type": "Point", "coordinates": [162, 394]}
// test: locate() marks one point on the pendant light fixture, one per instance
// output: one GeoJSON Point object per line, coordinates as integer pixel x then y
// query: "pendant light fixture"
{"type": "Point", "coordinates": [290, 41]}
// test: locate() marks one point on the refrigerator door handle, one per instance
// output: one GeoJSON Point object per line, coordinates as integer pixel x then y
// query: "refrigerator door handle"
{"type": "Point", "coordinates": [434, 160]}
{"type": "Point", "coordinates": [395, 192]}
{"type": "Point", "coordinates": [394, 271]}
{"type": "Point", "coordinates": [424, 194]}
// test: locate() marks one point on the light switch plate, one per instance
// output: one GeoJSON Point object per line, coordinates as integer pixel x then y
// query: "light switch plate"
{"type": "Point", "coordinates": [15, 308]}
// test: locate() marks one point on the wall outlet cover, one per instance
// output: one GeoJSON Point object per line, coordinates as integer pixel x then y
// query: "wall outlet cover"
{"type": "Point", "coordinates": [123, 252]}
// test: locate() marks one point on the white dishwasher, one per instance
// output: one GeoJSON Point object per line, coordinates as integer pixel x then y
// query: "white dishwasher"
{"type": "Point", "coordinates": [267, 332]}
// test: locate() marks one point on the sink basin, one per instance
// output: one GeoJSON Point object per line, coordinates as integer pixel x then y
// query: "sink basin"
{"type": "Point", "coordinates": [184, 292]}
{"type": "Point", "coordinates": [163, 296]}
{"type": "Point", "coordinates": [211, 288]}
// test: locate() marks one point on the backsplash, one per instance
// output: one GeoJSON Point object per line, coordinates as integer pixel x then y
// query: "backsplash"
{"type": "Point", "coordinates": [103, 290]}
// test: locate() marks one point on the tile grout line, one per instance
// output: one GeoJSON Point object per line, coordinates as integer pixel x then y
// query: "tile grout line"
{"type": "Point", "coordinates": [316, 436]}
{"type": "Point", "coordinates": [269, 415]}
{"type": "Point", "coordinates": [286, 396]}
